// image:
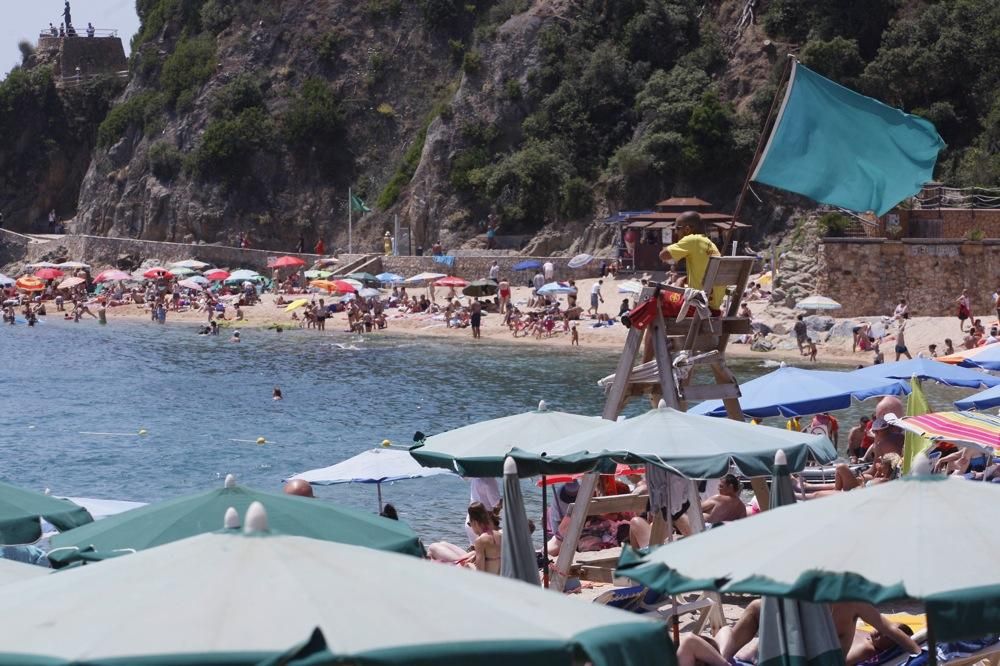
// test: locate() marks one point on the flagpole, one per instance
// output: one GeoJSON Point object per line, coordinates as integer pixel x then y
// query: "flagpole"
{"type": "Point", "coordinates": [350, 222]}
{"type": "Point", "coordinates": [760, 148]}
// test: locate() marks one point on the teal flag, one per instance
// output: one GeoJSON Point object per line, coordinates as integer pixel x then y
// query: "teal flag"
{"type": "Point", "coordinates": [841, 148]}
{"type": "Point", "coordinates": [359, 206]}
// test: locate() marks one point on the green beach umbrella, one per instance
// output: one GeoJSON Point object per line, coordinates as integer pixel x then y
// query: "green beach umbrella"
{"type": "Point", "coordinates": [479, 449]}
{"type": "Point", "coordinates": [317, 274]}
{"type": "Point", "coordinates": [14, 572]}
{"type": "Point", "coordinates": [367, 279]}
{"type": "Point", "coordinates": [792, 632]}
{"type": "Point", "coordinates": [241, 598]}
{"type": "Point", "coordinates": [182, 271]}
{"type": "Point", "coordinates": [697, 447]}
{"type": "Point", "coordinates": [20, 511]}
{"type": "Point", "coordinates": [926, 538]}
{"type": "Point", "coordinates": [480, 288]}
{"type": "Point", "coordinates": [182, 517]}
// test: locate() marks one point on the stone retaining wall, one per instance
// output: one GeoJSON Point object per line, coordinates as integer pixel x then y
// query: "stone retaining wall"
{"type": "Point", "coordinates": [869, 275]}
{"type": "Point", "coordinates": [98, 250]}
{"type": "Point", "coordinates": [474, 268]}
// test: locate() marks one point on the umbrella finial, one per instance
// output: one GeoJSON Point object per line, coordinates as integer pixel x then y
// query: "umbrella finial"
{"type": "Point", "coordinates": [782, 365]}
{"type": "Point", "coordinates": [780, 458]}
{"type": "Point", "coordinates": [662, 404]}
{"type": "Point", "coordinates": [256, 519]}
{"type": "Point", "coordinates": [542, 406]}
{"type": "Point", "coordinates": [231, 521]}
{"type": "Point", "coordinates": [921, 465]}
{"type": "Point", "coordinates": [509, 466]}
{"type": "Point", "coordinates": [230, 481]}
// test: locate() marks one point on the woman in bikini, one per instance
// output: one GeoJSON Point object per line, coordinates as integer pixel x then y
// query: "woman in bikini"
{"type": "Point", "coordinates": [484, 554]}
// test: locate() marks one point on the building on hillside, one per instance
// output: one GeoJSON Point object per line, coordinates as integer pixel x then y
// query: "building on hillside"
{"type": "Point", "coordinates": [937, 212]}
{"type": "Point", "coordinates": [642, 235]}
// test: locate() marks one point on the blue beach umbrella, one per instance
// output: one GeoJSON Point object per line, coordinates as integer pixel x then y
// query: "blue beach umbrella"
{"type": "Point", "coordinates": [389, 278]}
{"type": "Point", "coordinates": [987, 359]}
{"type": "Point", "coordinates": [554, 288]}
{"type": "Point", "coordinates": [796, 392]}
{"type": "Point", "coordinates": [527, 265]}
{"type": "Point", "coordinates": [982, 400]}
{"type": "Point", "coordinates": [925, 368]}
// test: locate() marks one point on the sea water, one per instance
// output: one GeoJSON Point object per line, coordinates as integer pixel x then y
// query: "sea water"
{"type": "Point", "coordinates": [76, 396]}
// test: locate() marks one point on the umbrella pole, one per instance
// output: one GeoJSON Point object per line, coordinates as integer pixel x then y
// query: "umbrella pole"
{"type": "Point", "coordinates": [545, 533]}
{"type": "Point", "coordinates": [931, 641]}
{"type": "Point", "coordinates": [378, 488]}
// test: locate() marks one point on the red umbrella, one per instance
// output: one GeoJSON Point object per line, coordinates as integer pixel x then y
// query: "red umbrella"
{"type": "Point", "coordinates": [343, 287]}
{"type": "Point", "coordinates": [451, 281]}
{"type": "Point", "coordinates": [286, 262]}
{"type": "Point", "coordinates": [112, 275]}
{"type": "Point", "coordinates": [620, 470]}
{"type": "Point", "coordinates": [154, 273]}
{"type": "Point", "coordinates": [48, 273]}
{"type": "Point", "coordinates": [216, 275]}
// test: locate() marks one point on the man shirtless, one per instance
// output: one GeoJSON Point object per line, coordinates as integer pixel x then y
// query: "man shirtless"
{"type": "Point", "coordinates": [725, 506]}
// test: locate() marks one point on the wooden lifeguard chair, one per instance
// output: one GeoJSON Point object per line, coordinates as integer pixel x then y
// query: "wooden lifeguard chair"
{"type": "Point", "coordinates": [679, 349]}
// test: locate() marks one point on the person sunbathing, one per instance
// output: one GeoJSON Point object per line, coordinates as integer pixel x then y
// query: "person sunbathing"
{"type": "Point", "coordinates": [485, 552]}
{"type": "Point", "coordinates": [877, 648]}
{"type": "Point", "coordinates": [738, 644]}
{"type": "Point", "coordinates": [727, 505]}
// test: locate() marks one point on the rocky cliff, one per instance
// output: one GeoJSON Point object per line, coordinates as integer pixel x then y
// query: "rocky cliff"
{"type": "Point", "coordinates": [256, 117]}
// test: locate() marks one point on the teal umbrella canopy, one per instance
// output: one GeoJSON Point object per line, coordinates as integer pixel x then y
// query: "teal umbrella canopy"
{"type": "Point", "coordinates": [15, 572]}
{"type": "Point", "coordinates": [21, 512]}
{"type": "Point", "coordinates": [870, 544]}
{"type": "Point", "coordinates": [698, 447]}
{"type": "Point", "coordinates": [243, 598]}
{"type": "Point", "coordinates": [479, 449]}
{"type": "Point", "coordinates": [182, 517]}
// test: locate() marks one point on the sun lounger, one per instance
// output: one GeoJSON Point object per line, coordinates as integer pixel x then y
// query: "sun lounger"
{"type": "Point", "coordinates": [644, 601]}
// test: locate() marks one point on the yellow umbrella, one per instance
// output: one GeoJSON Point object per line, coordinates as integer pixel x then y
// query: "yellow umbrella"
{"type": "Point", "coordinates": [295, 305]}
{"type": "Point", "coordinates": [323, 284]}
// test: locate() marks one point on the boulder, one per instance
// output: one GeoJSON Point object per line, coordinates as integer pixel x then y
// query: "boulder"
{"type": "Point", "coordinates": [819, 322]}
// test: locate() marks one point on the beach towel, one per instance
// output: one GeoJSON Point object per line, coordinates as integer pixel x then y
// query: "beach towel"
{"type": "Point", "coordinates": [445, 259]}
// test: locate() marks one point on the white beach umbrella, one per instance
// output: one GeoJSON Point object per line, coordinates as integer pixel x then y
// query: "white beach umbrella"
{"type": "Point", "coordinates": [191, 263]}
{"type": "Point", "coordinates": [74, 264]}
{"type": "Point", "coordinates": [818, 303]}
{"type": "Point", "coordinates": [15, 572]}
{"type": "Point", "coordinates": [235, 598]}
{"type": "Point", "coordinates": [424, 277]}
{"type": "Point", "coordinates": [6, 281]}
{"type": "Point", "coordinates": [376, 466]}
{"type": "Point", "coordinates": [630, 287]}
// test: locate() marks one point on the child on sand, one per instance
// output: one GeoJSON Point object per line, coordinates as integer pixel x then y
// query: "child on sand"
{"type": "Point", "coordinates": [811, 349]}
{"type": "Point", "coordinates": [574, 340]}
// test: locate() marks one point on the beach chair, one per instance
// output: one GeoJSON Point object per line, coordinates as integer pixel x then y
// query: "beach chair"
{"type": "Point", "coordinates": [641, 600]}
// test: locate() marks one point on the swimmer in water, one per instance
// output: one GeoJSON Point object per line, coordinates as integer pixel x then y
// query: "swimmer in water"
{"type": "Point", "coordinates": [102, 314]}
{"type": "Point", "coordinates": [236, 337]}
{"type": "Point", "coordinates": [277, 394]}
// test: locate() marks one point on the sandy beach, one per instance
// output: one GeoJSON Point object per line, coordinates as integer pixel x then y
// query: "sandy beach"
{"type": "Point", "coordinates": [834, 346]}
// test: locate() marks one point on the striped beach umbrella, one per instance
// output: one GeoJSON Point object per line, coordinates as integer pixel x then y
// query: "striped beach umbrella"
{"type": "Point", "coordinates": [962, 428]}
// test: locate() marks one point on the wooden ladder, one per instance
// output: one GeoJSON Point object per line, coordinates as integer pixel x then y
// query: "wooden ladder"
{"type": "Point", "coordinates": [699, 341]}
